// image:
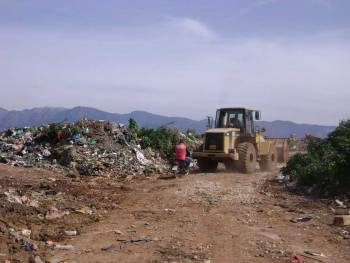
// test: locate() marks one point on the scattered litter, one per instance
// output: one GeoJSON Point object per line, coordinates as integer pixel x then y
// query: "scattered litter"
{"type": "Point", "coordinates": [111, 247]}
{"type": "Point", "coordinates": [28, 246]}
{"type": "Point", "coordinates": [54, 213]}
{"type": "Point", "coordinates": [36, 259]}
{"type": "Point", "coordinates": [341, 220]}
{"type": "Point", "coordinates": [64, 247]}
{"type": "Point", "coordinates": [297, 258]}
{"type": "Point", "coordinates": [280, 177]}
{"type": "Point", "coordinates": [340, 203]}
{"type": "Point", "coordinates": [311, 253]}
{"type": "Point", "coordinates": [301, 219]}
{"type": "Point", "coordinates": [342, 211]}
{"type": "Point", "coordinates": [84, 210]}
{"type": "Point", "coordinates": [136, 240]}
{"type": "Point", "coordinates": [170, 210]}
{"type": "Point", "coordinates": [315, 256]}
{"type": "Point", "coordinates": [70, 232]}
{"type": "Point", "coordinates": [13, 197]}
{"type": "Point", "coordinates": [49, 243]}
{"type": "Point", "coordinates": [46, 153]}
{"type": "Point", "coordinates": [141, 158]}
{"type": "Point", "coordinates": [26, 232]}
{"type": "Point", "coordinates": [118, 232]}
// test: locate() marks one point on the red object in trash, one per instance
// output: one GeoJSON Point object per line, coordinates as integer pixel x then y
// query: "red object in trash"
{"type": "Point", "coordinates": [180, 152]}
{"type": "Point", "coordinates": [59, 136]}
{"type": "Point", "coordinates": [297, 259]}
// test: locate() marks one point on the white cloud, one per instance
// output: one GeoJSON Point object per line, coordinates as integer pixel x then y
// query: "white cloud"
{"type": "Point", "coordinates": [192, 26]}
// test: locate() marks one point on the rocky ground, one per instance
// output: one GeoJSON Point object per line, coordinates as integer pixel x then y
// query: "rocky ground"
{"type": "Point", "coordinates": [212, 217]}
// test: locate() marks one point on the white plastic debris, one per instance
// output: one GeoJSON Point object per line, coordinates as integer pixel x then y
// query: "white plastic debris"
{"type": "Point", "coordinates": [141, 158]}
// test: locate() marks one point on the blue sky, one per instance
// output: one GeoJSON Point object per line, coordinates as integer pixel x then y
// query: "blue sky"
{"type": "Point", "coordinates": [288, 58]}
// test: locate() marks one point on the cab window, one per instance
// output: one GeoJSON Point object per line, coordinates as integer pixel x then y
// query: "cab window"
{"type": "Point", "coordinates": [234, 120]}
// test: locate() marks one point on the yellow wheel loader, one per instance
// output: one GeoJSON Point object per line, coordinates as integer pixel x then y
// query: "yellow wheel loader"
{"type": "Point", "coordinates": [238, 143]}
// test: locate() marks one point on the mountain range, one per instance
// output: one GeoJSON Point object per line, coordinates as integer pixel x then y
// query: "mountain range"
{"type": "Point", "coordinates": [45, 115]}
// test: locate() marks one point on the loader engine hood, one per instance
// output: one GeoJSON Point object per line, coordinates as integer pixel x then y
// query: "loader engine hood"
{"type": "Point", "coordinates": [220, 139]}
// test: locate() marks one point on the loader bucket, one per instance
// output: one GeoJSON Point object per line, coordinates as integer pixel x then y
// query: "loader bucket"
{"type": "Point", "coordinates": [281, 145]}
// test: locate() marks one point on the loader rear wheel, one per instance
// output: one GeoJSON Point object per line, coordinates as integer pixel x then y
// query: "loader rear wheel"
{"type": "Point", "coordinates": [247, 157]}
{"type": "Point", "coordinates": [269, 161]}
{"type": "Point", "coordinates": [206, 165]}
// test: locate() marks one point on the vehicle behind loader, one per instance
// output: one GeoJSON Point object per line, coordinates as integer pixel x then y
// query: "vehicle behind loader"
{"type": "Point", "coordinates": [238, 143]}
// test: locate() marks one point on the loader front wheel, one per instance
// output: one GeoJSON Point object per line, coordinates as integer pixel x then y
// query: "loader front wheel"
{"type": "Point", "coordinates": [247, 157]}
{"type": "Point", "coordinates": [206, 165]}
{"type": "Point", "coordinates": [269, 161]}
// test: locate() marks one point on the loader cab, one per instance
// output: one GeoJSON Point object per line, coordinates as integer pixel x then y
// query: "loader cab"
{"type": "Point", "coordinates": [240, 118]}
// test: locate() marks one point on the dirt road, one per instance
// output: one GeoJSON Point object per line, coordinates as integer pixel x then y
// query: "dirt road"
{"type": "Point", "coordinates": [220, 217]}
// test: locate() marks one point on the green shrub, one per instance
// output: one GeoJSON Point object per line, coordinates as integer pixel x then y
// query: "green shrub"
{"type": "Point", "coordinates": [133, 126]}
{"type": "Point", "coordinates": [66, 131]}
{"type": "Point", "coordinates": [49, 133]}
{"type": "Point", "coordinates": [326, 165]}
{"type": "Point", "coordinates": [162, 139]}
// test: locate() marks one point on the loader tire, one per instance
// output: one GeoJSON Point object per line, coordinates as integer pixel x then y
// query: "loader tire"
{"type": "Point", "coordinates": [247, 157]}
{"type": "Point", "coordinates": [206, 165]}
{"type": "Point", "coordinates": [269, 161]}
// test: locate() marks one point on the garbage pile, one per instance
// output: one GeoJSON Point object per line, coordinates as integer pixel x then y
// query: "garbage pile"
{"type": "Point", "coordinates": [86, 147]}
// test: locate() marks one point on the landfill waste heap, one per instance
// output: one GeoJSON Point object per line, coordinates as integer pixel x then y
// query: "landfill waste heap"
{"type": "Point", "coordinates": [86, 147]}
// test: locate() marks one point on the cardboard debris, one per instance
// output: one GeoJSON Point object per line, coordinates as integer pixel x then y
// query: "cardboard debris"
{"type": "Point", "coordinates": [343, 220]}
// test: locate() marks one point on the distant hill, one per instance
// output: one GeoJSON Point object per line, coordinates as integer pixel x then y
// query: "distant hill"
{"type": "Point", "coordinates": [285, 128]}
{"type": "Point", "coordinates": [38, 116]}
